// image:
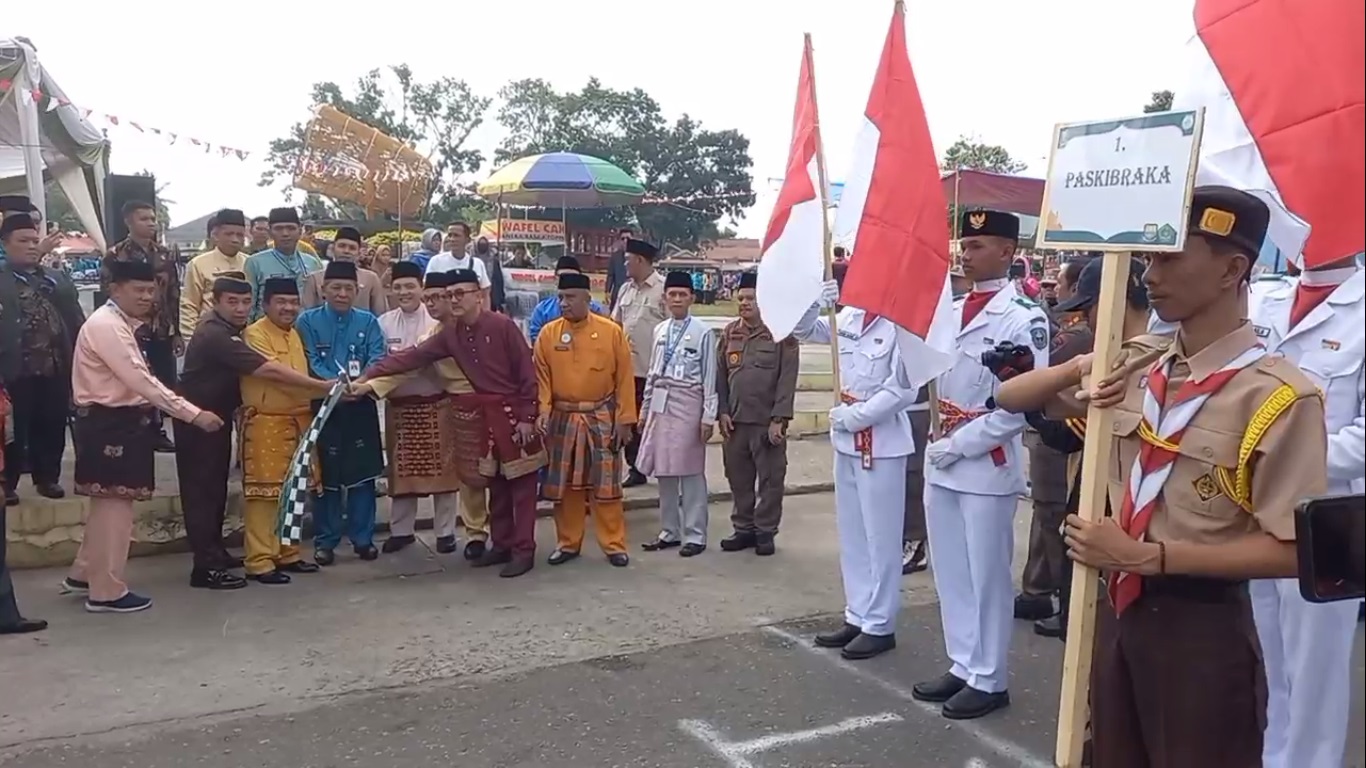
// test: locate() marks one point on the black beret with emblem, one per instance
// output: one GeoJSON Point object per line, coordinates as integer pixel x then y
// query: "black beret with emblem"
{"type": "Point", "coordinates": [677, 279]}
{"type": "Point", "coordinates": [748, 279]}
{"type": "Point", "coordinates": [642, 249]}
{"type": "Point", "coordinates": [571, 281]}
{"type": "Point", "coordinates": [1230, 215]}
{"type": "Point", "coordinates": [279, 286]}
{"type": "Point", "coordinates": [341, 270]}
{"type": "Point", "coordinates": [402, 269]}
{"type": "Point", "coordinates": [990, 224]}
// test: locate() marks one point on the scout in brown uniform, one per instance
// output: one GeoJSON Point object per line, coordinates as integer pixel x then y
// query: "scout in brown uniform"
{"type": "Point", "coordinates": [1215, 444]}
{"type": "Point", "coordinates": [755, 387]}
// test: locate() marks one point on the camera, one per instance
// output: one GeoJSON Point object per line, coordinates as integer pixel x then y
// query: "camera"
{"type": "Point", "coordinates": [1008, 360]}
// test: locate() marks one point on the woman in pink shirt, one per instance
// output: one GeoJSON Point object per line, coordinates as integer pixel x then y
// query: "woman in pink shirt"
{"type": "Point", "coordinates": [115, 397]}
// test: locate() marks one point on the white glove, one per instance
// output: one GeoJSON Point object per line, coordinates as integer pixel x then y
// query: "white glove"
{"type": "Point", "coordinates": [838, 418]}
{"type": "Point", "coordinates": [830, 294]}
{"type": "Point", "coordinates": [939, 455]}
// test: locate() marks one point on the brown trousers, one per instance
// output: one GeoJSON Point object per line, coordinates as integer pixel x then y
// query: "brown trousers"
{"type": "Point", "coordinates": [1178, 679]}
{"type": "Point", "coordinates": [1046, 564]}
{"type": "Point", "coordinates": [752, 462]}
{"type": "Point", "coordinates": [914, 525]}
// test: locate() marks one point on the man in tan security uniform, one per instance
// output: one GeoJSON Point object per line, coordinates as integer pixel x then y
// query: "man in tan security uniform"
{"type": "Point", "coordinates": [638, 307]}
{"type": "Point", "coordinates": [1216, 442]}
{"type": "Point", "coordinates": [756, 385]}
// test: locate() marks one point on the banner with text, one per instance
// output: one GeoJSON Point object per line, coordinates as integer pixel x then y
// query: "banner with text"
{"type": "Point", "coordinates": [346, 159]}
{"type": "Point", "coordinates": [524, 231]}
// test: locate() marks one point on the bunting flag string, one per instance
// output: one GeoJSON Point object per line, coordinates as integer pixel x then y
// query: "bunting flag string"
{"type": "Point", "coordinates": [49, 103]}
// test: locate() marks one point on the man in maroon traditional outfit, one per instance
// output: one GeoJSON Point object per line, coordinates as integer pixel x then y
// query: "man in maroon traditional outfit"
{"type": "Point", "coordinates": [499, 417]}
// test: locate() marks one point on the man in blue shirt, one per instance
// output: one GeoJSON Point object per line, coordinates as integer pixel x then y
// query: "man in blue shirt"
{"type": "Point", "coordinates": [339, 338]}
{"type": "Point", "coordinates": [549, 307]}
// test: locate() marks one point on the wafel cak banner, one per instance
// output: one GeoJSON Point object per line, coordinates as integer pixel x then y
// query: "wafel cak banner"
{"type": "Point", "coordinates": [346, 159]}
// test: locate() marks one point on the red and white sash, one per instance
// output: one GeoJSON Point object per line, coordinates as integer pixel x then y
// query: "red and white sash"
{"type": "Point", "coordinates": [1163, 425]}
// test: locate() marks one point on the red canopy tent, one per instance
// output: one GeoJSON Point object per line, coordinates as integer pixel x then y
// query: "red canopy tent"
{"type": "Point", "coordinates": [997, 191]}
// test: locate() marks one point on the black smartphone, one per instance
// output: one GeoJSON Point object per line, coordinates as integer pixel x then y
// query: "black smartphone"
{"type": "Point", "coordinates": [1330, 534]}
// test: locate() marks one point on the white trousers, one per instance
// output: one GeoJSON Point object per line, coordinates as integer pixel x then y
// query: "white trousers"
{"type": "Point", "coordinates": [403, 514]}
{"type": "Point", "coordinates": [1307, 651]}
{"type": "Point", "coordinates": [869, 521]}
{"type": "Point", "coordinates": [972, 541]}
{"type": "Point", "coordinates": [683, 509]}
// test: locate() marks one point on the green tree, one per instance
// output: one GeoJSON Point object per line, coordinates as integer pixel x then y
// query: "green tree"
{"type": "Point", "coordinates": [704, 174]}
{"type": "Point", "coordinates": [968, 154]}
{"type": "Point", "coordinates": [436, 118]}
{"type": "Point", "coordinates": [1160, 102]}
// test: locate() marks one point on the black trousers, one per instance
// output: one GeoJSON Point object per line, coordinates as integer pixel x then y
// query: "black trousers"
{"type": "Point", "coordinates": [202, 462]}
{"type": "Point", "coordinates": [633, 447]}
{"type": "Point", "coordinates": [9, 609]}
{"type": "Point", "coordinates": [160, 357]}
{"type": "Point", "coordinates": [42, 408]}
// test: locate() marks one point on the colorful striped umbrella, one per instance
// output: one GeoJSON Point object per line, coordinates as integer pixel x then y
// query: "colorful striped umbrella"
{"type": "Point", "coordinates": [562, 180]}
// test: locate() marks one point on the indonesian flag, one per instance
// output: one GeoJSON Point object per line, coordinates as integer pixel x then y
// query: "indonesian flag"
{"type": "Point", "coordinates": [1282, 85]}
{"type": "Point", "coordinates": [792, 264]}
{"type": "Point", "coordinates": [894, 205]}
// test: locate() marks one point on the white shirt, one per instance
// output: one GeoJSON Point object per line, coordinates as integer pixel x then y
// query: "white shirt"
{"type": "Point", "coordinates": [447, 261]}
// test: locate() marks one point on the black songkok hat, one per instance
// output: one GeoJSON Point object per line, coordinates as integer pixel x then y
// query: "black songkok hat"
{"type": "Point", "coordinates": [231, 282]}
{"type": "Point", "coordinates": [404, 269]}
{"type": "Point", "coordinates": [347, 233]}
{"type": "Point", "coordinates": [126, 271]}
{"type": "Point", "coordinates": [16, 221]}
{"type": "Point", "coordinates": [280, 286]}
{"type": "Point", "coordinates": [990, 223]}
{"type": "Point", "coordinates": [340, 270]}
{"type": "Point", "coordinates": [1230, 215]}
{"type": "Point", "coordinates": [283, 216]}
{"type": "Point", "coordinates": [16, 204]}
{"type": "Point", "coordinates": [678, 279]}
{"type": "Point", "coordinates": [1087, 292]}
{"type": "Point", "coordinates": [462, 276]}
{"type": "Point", "coordinates": [230, 217]}
{"type": "Point", "coordinates": [436, 279]}
{"type": "Point", "coordinates": [568, 262]}
{"type": "Point", "coordinates": [748, 279]}
{"type": "Point", "coordinates": [642, 249]}
{"type": "Point", "coordinates": [574, 281]}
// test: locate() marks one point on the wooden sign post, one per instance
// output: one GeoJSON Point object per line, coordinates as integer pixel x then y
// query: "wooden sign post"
{"type": "Point", "coordinates": [1120, 187]}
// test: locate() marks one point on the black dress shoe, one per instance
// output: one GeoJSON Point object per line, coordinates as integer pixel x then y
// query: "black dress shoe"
{"type": "Point", "coordinates": [1049, 627]}
{"type": "Point", "coordinates": [561, 556]}
{"type": "Point", "coordinates": [269, 577]}
{"type": "Point", "coordinates": [1033, 607]}
{"type": "Point", "coordinates": [474, 550]}
{"type": "Point", "coordinates": [324, 557]}
{"type": "Point", "coordinates": [838, 638]}
{"type": "Point", "coordinates": [634, 478]}
{"type": "Point", "coordinates": [692, 550]}
{"type": "Point", "coordinates": [367, 553]}
{"type": "Point", "coordinates": [23, 627]}
{"type": "Point", "coordinates": [50, 491]}
{"type": "Point", "coordinates": [445, 545]}
{"type": "Point", "coordinates": [739, 541]}
{"type": "Point", "coordinates": [213, 578]}
{"type": "Point", "coordinates": [912, 557]}
{"type": "Point", "coordinates": [163, 444]}
{"type": "Point", "coordinates": [619, 559]}
{"type": "Point", "coordinates": [397, 544]}
{"type": "Point", "coordinates": [298, 566]}
{"type": "Point", "coordinates": [659, 545]}
{"type": "Point", "coordinates": [866, 646]}
{"type": "Point", "coordinates": [938, 690]}
{"type": "Point", "coordinates": [970, 704]}
{"type": "Point", "coordinates": [493, 557]}
{"type": "Point", "coordinates": [517, 566]}
{"type": "Point", "coordinates": [763, 545]}
{"type": "Point", "coordinates": [11, 497]}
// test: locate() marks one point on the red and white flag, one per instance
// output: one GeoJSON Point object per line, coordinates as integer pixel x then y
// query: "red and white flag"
{"type": "Point", "coordinates": [1283, 87]}
{"type": "Point", "coordinates": [792, 265]}
{"type": "Point", "coordinates": [894, 205]}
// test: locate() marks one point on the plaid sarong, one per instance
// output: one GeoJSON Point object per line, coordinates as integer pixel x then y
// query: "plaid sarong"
{"type": "Point", "coordinates": [581, 441]}
{"type": "Point", "coordinates": [294, 490]}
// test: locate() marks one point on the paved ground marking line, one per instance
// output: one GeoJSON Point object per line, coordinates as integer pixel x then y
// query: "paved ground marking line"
{"type": "Point", "coordinates": [1003, 748]}
{"type": "Point", "coordinates": [849, 725]}
{"type": "Point", "coordinates": [975, 762]}
{"type": "Point", "coordinates": [715, 743]}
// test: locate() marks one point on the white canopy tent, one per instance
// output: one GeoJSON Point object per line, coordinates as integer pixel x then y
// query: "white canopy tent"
{"type": "Point", "coordinates": [44, 138]}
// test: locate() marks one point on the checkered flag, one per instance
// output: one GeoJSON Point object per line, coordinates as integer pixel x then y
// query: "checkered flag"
{"type": "Point", "coordinates": [294, 491]}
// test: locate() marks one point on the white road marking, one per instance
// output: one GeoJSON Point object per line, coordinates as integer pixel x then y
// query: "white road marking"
{"type": "Point", "coordinates": [736, 752]}
{"type": "Point", "coordinates": [1002, 747]}
{"type": "Point", "coordinates": [975, 762]}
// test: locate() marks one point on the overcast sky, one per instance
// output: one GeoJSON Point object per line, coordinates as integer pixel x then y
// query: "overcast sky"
{"type": "Point", "coordinates": [238, 75]}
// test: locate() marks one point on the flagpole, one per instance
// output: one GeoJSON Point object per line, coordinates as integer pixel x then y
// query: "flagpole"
{"type": "Point", "coordinates": [825, 219]}
{"type": "Point", "coordinates": [933, 396]}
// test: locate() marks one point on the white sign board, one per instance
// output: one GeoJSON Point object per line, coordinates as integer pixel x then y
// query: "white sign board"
{"type": "Point", "coordinates": [1121, 185]}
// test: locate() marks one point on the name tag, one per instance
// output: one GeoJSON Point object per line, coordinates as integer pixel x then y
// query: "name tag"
{"type": "Point", "coordinates": [658, 399]}
{"type": "Point", "coordinates": [395, 344]}
{"type": "Point", "coordinates": [1261, 331]}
